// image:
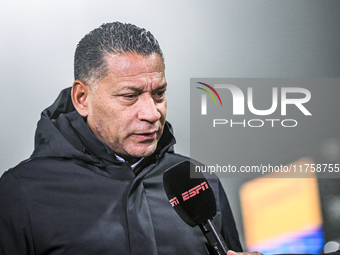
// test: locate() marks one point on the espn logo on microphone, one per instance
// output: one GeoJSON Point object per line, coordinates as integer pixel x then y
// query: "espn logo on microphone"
{"type": "Point", "coordinates": [190, 193]}
{"type": "Point", "coordinates": [174, 201]}
{"type": "Point", "coordinates": [194, 191]}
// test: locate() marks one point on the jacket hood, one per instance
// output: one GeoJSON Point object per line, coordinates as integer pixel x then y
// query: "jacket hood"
{"type": "Point", "coordinates": [62, 133]}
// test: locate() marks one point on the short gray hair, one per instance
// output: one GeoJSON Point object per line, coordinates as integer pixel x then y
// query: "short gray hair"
{"type": "Point", "coordinates": [90, 65]}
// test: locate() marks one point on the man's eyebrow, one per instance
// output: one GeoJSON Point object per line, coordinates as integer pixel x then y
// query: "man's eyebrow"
{"type": "Point", "coordinates": [162, 87]}
{"type": "Point", "coordinates": [140, 89]}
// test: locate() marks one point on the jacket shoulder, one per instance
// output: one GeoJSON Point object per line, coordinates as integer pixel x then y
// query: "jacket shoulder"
{"type": "Point", "coordinates": [14, 216]}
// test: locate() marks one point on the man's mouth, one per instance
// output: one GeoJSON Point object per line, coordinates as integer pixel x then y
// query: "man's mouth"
{"type": "Point", "coordinates": [144, 136]}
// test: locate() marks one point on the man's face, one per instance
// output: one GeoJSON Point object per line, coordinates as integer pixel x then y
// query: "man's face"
{"type": "Point", "coordinates": [127, 110]}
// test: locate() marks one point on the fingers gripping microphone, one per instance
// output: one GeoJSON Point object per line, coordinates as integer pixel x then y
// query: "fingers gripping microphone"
{"type": "Point", "coordinates": [194, 201]}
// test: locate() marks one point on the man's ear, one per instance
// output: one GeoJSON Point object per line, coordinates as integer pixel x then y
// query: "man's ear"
{"type": "Point", "coordinates": [80, 95]}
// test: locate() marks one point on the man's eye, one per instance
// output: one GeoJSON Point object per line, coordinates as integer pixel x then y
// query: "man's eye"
{"type": "Point", "coordinates": [159, 96]}
{"type": "Point", "coordinates": [130, 96]}
{"type": "Point", "coordinates": [160, 93]}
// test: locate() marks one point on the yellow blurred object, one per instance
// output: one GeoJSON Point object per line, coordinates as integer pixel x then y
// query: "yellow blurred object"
{"type": "Point", "coordinates": [277, 207]}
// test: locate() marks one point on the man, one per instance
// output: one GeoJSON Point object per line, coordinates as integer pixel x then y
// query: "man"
{"type": "Point", "coordinates": [93, 184]}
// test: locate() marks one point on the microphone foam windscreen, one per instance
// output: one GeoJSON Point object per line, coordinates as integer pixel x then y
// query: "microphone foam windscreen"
{"type": "Point", "coordinates": [192, 198]}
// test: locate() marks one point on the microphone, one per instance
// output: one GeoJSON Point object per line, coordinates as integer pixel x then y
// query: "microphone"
{"type": "Point", "coordinates": [194, 201]}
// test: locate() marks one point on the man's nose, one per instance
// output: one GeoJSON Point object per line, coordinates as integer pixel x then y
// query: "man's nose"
{"type": "Point", "coordinates": [148, 109]}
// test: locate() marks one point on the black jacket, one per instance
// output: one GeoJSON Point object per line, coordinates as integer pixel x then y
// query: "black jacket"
{"type": "Point", "coordinates": [73, 197]}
